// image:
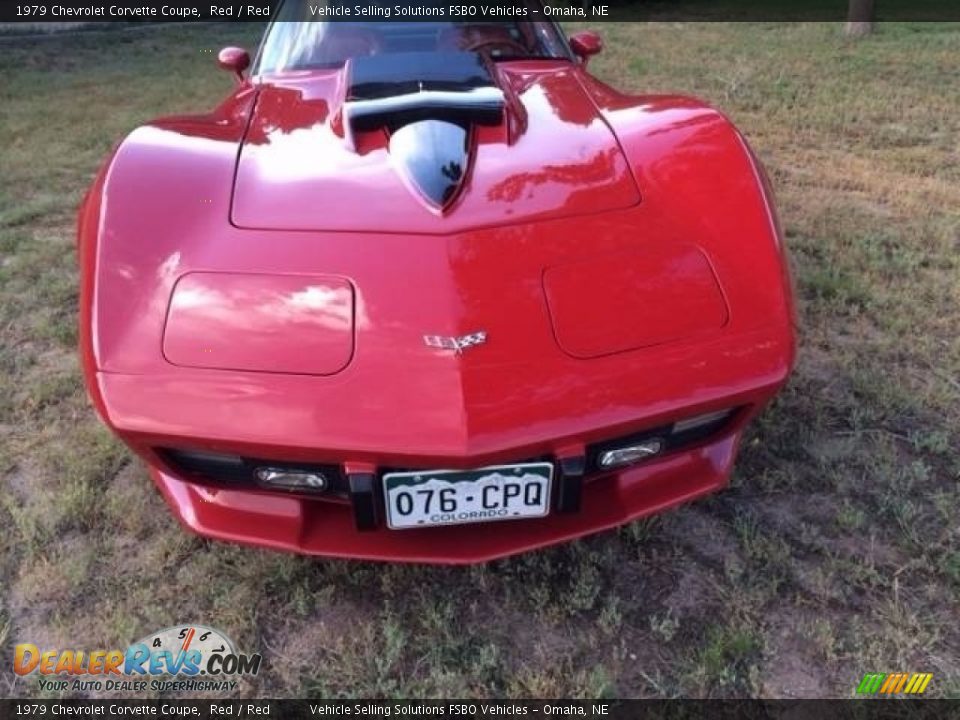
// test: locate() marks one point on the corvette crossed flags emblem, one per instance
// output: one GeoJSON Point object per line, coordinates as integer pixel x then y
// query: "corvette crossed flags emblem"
{"type": "Point", "coordinates": [457, 344]}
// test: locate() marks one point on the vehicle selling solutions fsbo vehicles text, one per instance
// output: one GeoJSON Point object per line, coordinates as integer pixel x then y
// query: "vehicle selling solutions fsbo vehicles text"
{"type": "Point", "coordinates": [454, 10]}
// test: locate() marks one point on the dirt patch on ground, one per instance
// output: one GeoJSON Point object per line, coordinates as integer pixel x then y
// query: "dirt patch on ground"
{"type": "Point", "coordinates": [794, 667]}
{"type": "Point", "coordinates": [704, 535]}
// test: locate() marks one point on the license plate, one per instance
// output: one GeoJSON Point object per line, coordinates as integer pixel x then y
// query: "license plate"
{"type": "Point", "coordinates": [453, 497]}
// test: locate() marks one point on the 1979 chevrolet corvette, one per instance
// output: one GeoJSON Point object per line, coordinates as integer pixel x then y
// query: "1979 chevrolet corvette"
{"type": "Point", "coordinates": [414, 277]}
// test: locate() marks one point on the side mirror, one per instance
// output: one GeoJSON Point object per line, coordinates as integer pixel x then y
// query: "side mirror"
{"type": "Point", "coordinates": [234, 59]}
{"type": "Point", "coordinates": [585, 44]}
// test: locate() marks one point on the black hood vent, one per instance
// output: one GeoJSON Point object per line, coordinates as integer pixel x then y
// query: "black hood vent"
{"type": "Point", "coordinates": [433, 157]}
{"type": "Point", "coordinates": [393, 90]}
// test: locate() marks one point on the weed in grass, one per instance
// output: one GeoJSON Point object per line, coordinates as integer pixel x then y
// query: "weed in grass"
{"type": "Point", "coordinates": [850, 517]}
{"type": "Point", "coordinates": [611, 617]}
{"type": "Point", "coordinates": [824, 638]}
{"type": "Point", "coordinates": [664, 626]}
{"type": "Point", "coordinates": [639, 532]}
{"type": "Point", "coordinates": [727, 662]}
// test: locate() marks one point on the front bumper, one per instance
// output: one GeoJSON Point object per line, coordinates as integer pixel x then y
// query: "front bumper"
{"type": "Point", "coordinates": [474, 416]}
{"type": "Point", "coordinates": [315, 527]}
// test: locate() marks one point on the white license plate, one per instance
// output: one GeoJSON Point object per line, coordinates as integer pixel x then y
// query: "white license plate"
{"type": "Point", "coordinates": [453, 497]}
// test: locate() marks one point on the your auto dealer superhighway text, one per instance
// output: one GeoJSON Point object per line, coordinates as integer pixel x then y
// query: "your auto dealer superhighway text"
{"type": "Point", "coordinates": [144, 11]}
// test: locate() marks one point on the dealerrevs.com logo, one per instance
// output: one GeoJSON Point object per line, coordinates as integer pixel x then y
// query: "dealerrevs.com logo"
{"type": "Point", "coordinates": [179, 658]}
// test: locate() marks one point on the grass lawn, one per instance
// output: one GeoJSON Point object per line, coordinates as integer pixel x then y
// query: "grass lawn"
{"type": "Point", "coordinates": [835, 552]}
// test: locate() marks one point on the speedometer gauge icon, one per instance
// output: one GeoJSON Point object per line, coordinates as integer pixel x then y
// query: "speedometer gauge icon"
{"type": "Point", "coordinates": [187, 637]}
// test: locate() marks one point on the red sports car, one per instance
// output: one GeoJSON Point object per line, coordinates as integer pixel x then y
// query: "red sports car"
{"type": "Point", "coordinates": [412, 278]}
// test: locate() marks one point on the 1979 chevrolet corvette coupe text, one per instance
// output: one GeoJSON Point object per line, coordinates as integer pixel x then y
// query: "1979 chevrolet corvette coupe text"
{"type": "Point", "coordinates": [414, 277]}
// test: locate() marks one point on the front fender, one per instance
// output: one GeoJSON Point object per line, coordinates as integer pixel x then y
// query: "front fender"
{"type": "Point", "coordinates": [169, 179]}
{"type": "Point", "coordinates": [700, 182]}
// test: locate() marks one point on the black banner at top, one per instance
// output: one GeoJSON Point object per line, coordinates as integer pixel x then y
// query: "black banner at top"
{"type": "Point", "coordinates": [50, 709]}
{"type": "Point", "coordinates": [590, 11]}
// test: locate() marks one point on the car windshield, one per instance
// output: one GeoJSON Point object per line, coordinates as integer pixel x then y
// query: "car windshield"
{"type": "Point", "coordinates": [299, 38]}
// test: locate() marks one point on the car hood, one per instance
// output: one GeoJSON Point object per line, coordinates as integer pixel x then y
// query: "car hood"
{"type": "Point", "coordinates": [552, 156]}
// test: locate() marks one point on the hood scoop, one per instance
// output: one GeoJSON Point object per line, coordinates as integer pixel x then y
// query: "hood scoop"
{"type": "Point", "coordinates": [390, 91]}
{"type": "Point", "coordinates": [431, 157]}
{"type": "Point", "coordinates": [427, 103]}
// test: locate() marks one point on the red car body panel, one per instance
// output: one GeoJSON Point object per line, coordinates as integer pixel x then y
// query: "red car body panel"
{"type": "Point", "coordinates": [210, 310]}
{"type": "Point", "coordinates": [671, 287]}
{"type": "Point", "coordinates": [296, 173]}
{"type": "Point", "coordinates": [620, 252]}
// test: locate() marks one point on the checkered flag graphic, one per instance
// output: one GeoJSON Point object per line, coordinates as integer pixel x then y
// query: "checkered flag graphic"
{"type": "Point", "coordinates": [457, 344]}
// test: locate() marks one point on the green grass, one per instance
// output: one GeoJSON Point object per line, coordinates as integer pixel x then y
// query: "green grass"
{"type": "Point", "coordinates": [835, 551]}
